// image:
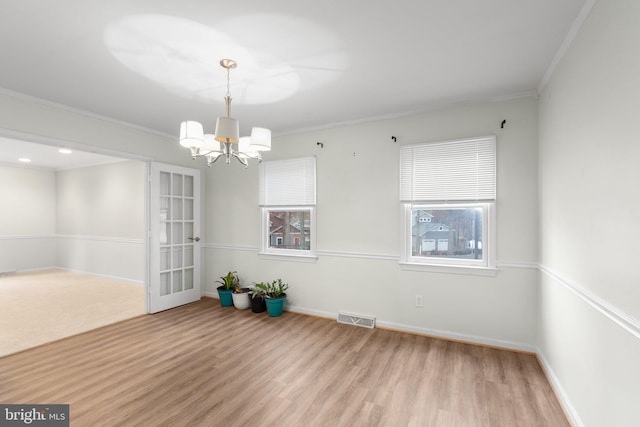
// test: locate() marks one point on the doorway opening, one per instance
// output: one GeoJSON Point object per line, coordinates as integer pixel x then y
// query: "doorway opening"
{"type": "Point", "coordinates": [73, 233]}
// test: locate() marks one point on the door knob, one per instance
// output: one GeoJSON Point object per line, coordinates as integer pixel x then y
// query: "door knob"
{"type": "Point", "coordinates": [195, 239]}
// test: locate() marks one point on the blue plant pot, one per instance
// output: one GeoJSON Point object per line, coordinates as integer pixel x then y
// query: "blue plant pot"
{"type": "Point", "coordinates": [226, 297]}
{"type": "Point", "coordinates": [275, 306]}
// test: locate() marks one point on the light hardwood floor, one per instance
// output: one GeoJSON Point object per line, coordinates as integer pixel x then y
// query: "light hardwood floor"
{"type": "Point", "coordinates": [204, 365]}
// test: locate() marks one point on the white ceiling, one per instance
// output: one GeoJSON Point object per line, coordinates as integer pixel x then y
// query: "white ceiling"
{"type": "Point", "coordinates": [301, 64]}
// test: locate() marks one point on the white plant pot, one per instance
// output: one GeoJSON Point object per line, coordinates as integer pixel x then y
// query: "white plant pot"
{"type": "Point", "coordinates": [241, 301]}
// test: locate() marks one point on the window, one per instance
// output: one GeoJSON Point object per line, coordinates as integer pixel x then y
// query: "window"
{"type": "Point", "coordinates": [289, 228]}
{"type": "Point", "coordinates": [448, 192]}
{"type": "Point", "coordinates": [287, 203]}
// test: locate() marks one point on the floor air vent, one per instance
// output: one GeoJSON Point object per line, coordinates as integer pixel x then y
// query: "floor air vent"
{"type": "Point", "coordinates": [357, 320]}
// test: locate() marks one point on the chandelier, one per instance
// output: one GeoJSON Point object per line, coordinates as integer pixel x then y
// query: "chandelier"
{"type": "Point", "coordinates": [226, 141]}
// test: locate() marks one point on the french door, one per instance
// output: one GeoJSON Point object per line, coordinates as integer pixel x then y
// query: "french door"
{"type": "Point", "coordinates": [174, 263]}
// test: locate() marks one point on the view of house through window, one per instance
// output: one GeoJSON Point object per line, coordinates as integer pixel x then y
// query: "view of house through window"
{"type": "Point", "coordinates": [447, 232]}
{"type": "Point", "coordinates": [289, 229]}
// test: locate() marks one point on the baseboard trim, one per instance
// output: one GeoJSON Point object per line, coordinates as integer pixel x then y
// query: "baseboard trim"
{"type": "Point", "coordinates": [37, 269]}
{"type": "Point", "coordinates": [86, 273]}
{"type": "Point", "coordinates": [104, 276]}
{"type": "Point", "coordinates": [433, 333]}
{"type": "Point", "coordinates": [561, 394]}
{"type": "Point", "coordinates": [314, 313]}
{"type": "Point", "coordinates": [457, 337]}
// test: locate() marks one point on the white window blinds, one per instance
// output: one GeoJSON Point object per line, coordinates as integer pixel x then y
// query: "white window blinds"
{"type": "Point", "coordinates": [461, 170]}
{"type": "Point", "coordinates": [288, 182]}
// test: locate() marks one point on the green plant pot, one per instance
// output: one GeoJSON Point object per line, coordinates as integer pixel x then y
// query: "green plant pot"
{"type": "Point", "coordinates": [275, 306]}
{"type": "Point", "coordinates": [226, 297]}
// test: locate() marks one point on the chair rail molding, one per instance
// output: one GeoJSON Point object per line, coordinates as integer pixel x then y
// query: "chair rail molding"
{"type": "Point", "coordinates": [622, 319]}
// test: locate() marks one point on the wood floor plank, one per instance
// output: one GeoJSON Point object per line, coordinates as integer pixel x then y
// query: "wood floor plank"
{"type": "Point", "coordinates": [205, 365]}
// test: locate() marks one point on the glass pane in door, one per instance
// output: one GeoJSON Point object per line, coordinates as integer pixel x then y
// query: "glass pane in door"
{"type": "Point", "coordinates": [177, 184]}
{"type": "Point", "coordinates": [188, 255]}
{"type": "Point", "coordinates": [165, 260]}
{"type": "Point", "coordinates": [177, 233]}
{"type": "Point", "coordinates": [188, 279]}
{"type": "Point", "coordinates": [177, 281]}
{"type": "Point", "coordinates": [188, 209]}
{"type": "Point", "coordinates": [177, 257]}
{"type": "Point", "coordinates": [165, 183]}
{"type": "Point", "coordinates": [188, 232]}
{"type": "Point", "coordinates": [165, 284]}
{"type": "Point", "coordinates": [188, 186]}
{"type": "Point", "coordinates": [177, 208]}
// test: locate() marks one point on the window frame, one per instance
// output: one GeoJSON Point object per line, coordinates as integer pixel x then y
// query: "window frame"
{"type": "Point", "coordinates": [487, 264]}
{"type": "Point", "coordinates": [450, 174]}
{"type": "Point", "coordinates": [276, 194]}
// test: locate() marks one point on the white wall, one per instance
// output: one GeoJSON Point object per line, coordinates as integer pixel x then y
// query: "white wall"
{"type": "Point", "coordinates": [27, 218]}
{"type": "Point", "coordinates": [100, 213]}
{"type": "Point", "coordinates": [38, 121]}
{"type": "Point", "coordinates": [358, 225]}
{"type": "Point", "coordinates": [589, 320]}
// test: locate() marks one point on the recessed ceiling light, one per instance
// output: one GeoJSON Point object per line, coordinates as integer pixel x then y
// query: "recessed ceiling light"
{"type": "Point", "coordinates": [24, 160]}
{"type": "Point", "coordinates": [65, 151]}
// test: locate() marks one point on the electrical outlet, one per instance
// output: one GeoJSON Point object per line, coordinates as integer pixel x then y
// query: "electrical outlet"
{"type": "Point", "coordinates": [418, 300]}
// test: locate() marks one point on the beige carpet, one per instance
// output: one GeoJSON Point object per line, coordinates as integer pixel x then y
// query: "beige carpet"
{"type": "Point", "coordinates": [40, 307]}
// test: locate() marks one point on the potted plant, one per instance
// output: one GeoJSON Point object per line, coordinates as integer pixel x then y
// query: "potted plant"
{"type": "Point", "coordinates": [228, 284]}
{"type": "Point", "coordinates": [258, 294]}
{"type": "Point", "coordinates": [240, 297]}
{"type": "Point", "coordinates": [276, 297]}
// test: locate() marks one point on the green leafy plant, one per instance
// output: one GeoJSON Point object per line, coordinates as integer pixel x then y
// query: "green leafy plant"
{"type": "Point", "coordinates": [230, 281]}
{"type": "Point", "coordinates": [276, 289]}
{"type": "Point", "coordinates": [259, 290]}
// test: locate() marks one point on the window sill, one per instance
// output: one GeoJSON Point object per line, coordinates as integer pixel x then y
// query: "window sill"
{"type": "Point", "coordinates": [288, 257]}
{"type": "Point", "coordinates": [450, 269]}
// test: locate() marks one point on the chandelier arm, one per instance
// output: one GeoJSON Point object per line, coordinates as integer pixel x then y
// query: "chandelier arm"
{"type": "Point", "coordinates": [211, 161]}
{"type": "Point", "coordinates": [252, 155]}
{"type": "Point", "coordinates": [197, 152]}
{"type": "Point", "coordinates": [241, 160]}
